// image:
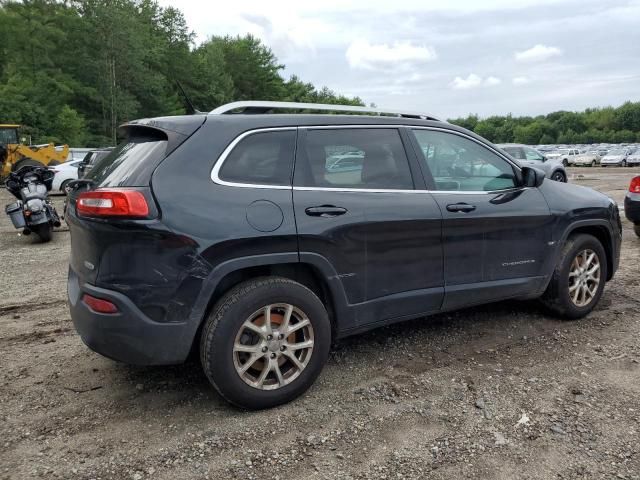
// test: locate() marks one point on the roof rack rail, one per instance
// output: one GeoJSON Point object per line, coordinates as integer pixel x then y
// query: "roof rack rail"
{"type": "Point", "coordinates": [257, 106]}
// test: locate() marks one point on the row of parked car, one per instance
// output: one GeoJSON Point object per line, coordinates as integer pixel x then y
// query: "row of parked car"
{"type": "Point", "coordinates": [75, 168]}
{"type": "Point", "coordinates": [593, 155]}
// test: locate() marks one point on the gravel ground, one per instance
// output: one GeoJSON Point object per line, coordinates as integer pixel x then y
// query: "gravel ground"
{"type": "Point", "coordinates": [500, 391]}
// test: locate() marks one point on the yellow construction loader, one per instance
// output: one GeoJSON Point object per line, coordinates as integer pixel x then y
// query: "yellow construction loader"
{"type": "Point", "coordinates": [14, 154]}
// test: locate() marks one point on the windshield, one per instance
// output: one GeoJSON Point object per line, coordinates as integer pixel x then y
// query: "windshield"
{"type": "Point", "coordinates": [617, 151]}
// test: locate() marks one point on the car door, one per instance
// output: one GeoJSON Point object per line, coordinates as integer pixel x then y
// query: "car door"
{"type": "Point", "coordinates": [496, 232]}
{"type": "Point", "coordinates": [365, 220]}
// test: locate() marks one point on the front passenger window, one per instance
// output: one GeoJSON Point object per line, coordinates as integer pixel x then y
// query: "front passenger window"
{"type": "Point", "coordinates": [459, 164]}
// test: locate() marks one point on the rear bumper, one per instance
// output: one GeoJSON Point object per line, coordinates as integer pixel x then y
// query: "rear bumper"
{"type": "Point", "coordinates": [632, 207]}
{"type": "Point", "coordinates": [128, 336]}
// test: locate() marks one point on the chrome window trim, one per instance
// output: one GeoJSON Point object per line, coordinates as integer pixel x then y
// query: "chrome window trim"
{"type": "Point", "coordinates": [215, 172]}
{"type": "Point", "coordinates": [342, 127]}
{"type": "Point", "coordinates": [365, 190]}
{"type": "Point", "coordinates": [223, 156]}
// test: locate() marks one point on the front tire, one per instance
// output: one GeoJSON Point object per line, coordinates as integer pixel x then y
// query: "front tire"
{"type": "Point", "coordinates": [559, 177]}
{"type": "Point", "coordinates": [578, 280]}
{"type": "Point", "coordinates": [65, 184]}
{"type": "Point", "coordinates": [593, 163]}
{"type": "Point", "coordinates": [636, 228]}
{"type": "Point", "coordinates": [265, 342]}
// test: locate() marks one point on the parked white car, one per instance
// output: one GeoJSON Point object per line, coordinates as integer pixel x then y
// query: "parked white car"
{"type": "Point", "coordinates": [634, 159]}
{"type": "Point", "coordinates": [617, 157]}
{"type": "Point", "coordinates": [589, 159]}
{"type": "Point", "coordinates": [64, 173]}
{"type": "Point", "coordinates": [566, 156]}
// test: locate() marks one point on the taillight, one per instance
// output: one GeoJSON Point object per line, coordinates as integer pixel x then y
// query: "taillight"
{"type": "Point", "coordinates": [112, 202]}
{"type": "Point", "coordinates": [634, 187]}
{"type": "Point", "coordinates": [99, 305]}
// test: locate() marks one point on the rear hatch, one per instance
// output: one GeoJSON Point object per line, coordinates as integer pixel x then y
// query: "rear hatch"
{"type": "Point", "coordinates": [110, 243]}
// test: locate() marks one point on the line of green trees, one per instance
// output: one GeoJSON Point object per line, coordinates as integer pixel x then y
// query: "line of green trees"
{"type": "Point", "coordinates": [72, 71]}
{"type": "Point", "coordinates": [594, 125]}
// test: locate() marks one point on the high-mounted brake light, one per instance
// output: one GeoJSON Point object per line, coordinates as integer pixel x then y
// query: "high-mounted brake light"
{"type": "Point", "coordinates": [112, 202]}
{"type": "Point", "coordinates": [634, 187]}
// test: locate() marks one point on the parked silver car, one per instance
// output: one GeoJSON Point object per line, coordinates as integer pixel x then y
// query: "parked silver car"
{"type": "Point", "coordinates": [616, 157]}
{"type": "Point", "coordinates": [527, 156]}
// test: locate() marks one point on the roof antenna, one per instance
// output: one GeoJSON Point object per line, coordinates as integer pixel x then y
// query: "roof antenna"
{"type": "Point", "coordinates": [191, 110]}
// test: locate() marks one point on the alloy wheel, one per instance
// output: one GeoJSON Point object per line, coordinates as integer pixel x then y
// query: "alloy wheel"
{"type": "Point", "coordinates": [273, 346]}
{"type": "Point", "coordinates": [584, 277]}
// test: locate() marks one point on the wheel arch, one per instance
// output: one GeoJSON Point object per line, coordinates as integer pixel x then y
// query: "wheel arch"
{"type": "Point", "coordinates": [315, 273]}
{"type": "Point", "coordinates": [602, 231]}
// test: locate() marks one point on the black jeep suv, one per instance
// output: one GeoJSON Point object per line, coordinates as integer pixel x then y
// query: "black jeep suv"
{"type": "Point", "coordinates": [260, 238]}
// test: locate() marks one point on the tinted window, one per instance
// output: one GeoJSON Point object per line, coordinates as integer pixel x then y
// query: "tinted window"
{"type": "Point", "coordinates": [264, 158]}
{"type": "Point", "coordinates": [122, 165]}
{"type": "Point", "coordinates": [354, 158]}
{"type": "Point", "coordinates": [459, 164]}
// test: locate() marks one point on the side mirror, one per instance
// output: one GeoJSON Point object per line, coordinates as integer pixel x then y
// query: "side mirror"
{"type": "Point", "coordinates": [544, 158]}
{"type": "Point", "coordinates": [532, 177]}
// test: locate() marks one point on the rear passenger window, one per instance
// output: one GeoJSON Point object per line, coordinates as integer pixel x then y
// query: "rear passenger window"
{"type": "Point", "coordinates": [368, 158]}
{"type": "Point", "coordinates": [459, 164]}
{"type": "Point", "coordinates": [263, 158]}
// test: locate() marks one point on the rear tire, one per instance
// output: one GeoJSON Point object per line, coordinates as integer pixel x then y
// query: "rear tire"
{"type": "Point", "coordinates": [560, 295]}
{"type": "Point", "coordinates": [43, 231]}
{"type": "Point", "coordinates": [24, 163]}
{"type": "Point", "coordinates": [228, 345]}
{"type": "Point", "coordinates": [593, 163]}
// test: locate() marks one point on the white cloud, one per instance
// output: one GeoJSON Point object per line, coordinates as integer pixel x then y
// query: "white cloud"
{"type": "Point", "coordinates": [520, 80]}
{"type": "Point", "coordinates": [474, 81]}
{"type": "Point", "coordinates": [362, 54]}
{"type": "Point", "coordinates": [538, 53]}
{"type": "Point", "coordinates": [471, 81]}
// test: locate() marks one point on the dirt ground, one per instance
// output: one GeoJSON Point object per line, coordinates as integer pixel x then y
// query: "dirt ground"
{"type": "Point", "coordinates": [497, 392]}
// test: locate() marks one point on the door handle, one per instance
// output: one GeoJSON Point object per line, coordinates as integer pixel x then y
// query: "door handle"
{"type": "Point", "coordinates": [325, 211]}
{"type": "Point", "coordinates": [461, 207]}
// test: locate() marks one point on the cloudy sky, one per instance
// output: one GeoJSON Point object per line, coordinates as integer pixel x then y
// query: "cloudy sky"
{"type": "Point", "coordinates": [447, 58]}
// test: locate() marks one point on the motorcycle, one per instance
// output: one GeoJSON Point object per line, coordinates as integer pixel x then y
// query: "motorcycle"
{"type": "Point", "coordinates": [33, 212]}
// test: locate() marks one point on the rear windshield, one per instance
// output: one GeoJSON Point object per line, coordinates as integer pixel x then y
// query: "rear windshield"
{"type": "Point", "coordinates": [130, 163]}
